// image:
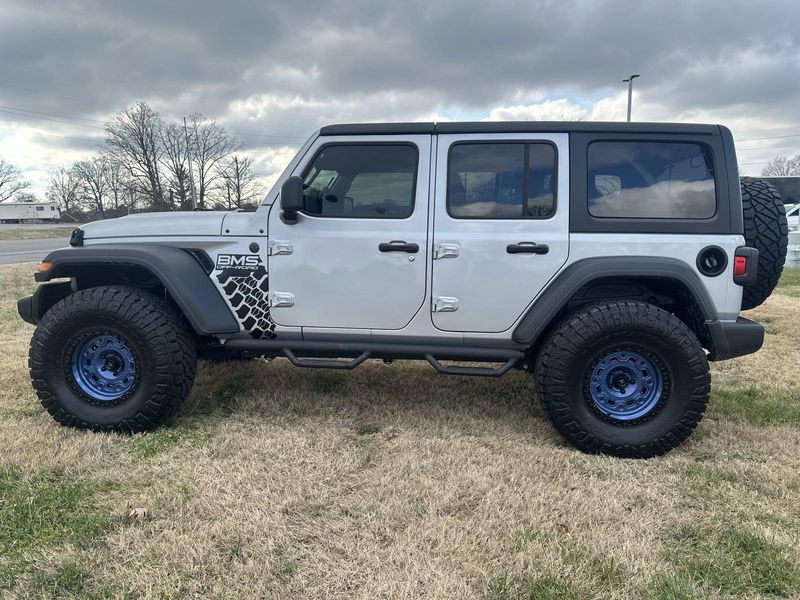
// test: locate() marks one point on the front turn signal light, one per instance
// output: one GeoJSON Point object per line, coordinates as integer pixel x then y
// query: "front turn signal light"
{"type": "Point", "coordinates": [44, 266]}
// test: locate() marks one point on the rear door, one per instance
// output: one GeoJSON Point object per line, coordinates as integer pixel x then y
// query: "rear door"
{"type": "Point", "coordinates": [501, 227]}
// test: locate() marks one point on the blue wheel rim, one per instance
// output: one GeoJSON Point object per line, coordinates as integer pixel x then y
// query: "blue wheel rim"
{"type": "Point", "coordinates": [104, 367]}
{"type": "Point", "coordinates": [625, 385]}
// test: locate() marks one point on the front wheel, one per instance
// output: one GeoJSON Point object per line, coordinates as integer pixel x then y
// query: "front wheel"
{"type": "Point", "coordinates": [623, 378]}
{"type": "Point", "coordinates": [112, 358]}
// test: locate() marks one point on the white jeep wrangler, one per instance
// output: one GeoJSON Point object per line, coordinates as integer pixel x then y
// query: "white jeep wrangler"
{"type": "Point", "coordinates": [609, 260]}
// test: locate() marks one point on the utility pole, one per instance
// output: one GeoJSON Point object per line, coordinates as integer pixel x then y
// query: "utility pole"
{"type": "Point", "coordinates": [189, 162]}
{"type": "Point", "coordinates": [629, 81]}
{"type": "Point", "coordinates": [238, 183]}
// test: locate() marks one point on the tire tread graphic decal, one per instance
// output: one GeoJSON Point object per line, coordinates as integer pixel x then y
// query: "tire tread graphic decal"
{"type": "Point", "coordinates": [246, 290]}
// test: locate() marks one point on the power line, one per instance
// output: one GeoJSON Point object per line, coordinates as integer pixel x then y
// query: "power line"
{"type": "Point", "coordinates": [269, 135]}
{"type": "Point", "coordinates": [19, 114]}
{"type": "Point", "coordinates": [39, 112]}
{"type": "Point", "coordinates": [772, 137]}
{"type": "Point", "coordinates": [47, 116]}
{"type": "Point", "coordinates": [66, 137]}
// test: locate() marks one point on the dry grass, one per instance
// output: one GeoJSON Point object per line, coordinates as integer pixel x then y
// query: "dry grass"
{"type": "Point", "coordinates": [35, 233]}
{"type": "Point", "coordinates": [394, 482]}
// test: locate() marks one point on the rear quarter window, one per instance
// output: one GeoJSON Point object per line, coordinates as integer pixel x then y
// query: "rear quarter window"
{"type": "Point", "coordinates": [651, 180]}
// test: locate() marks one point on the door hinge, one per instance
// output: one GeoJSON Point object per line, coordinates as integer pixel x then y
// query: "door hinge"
{"type": "Point", "coordinates": [445, 251]}
{"type": "Point", "coordinates": [278, 247]}
{"type": "Point", "coordinates": [445, 304]}
{"type": "Point", "coordinates": [280, 299]}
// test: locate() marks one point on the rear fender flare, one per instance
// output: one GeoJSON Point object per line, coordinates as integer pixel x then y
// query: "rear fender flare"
{"type": "Point", "coordinates": [567, 283]}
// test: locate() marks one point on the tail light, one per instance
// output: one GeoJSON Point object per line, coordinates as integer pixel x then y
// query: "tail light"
{"type": "Point", "coordinates": [745, 265]}
{"type": "Point", "coordinates": [739, 265]}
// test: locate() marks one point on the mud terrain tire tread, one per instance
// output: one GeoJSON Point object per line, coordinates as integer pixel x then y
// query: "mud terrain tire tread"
{"type": "Point", "coordinates": [160, 329]}
{"type": "Point", "coordinates": [560, 387]}
{"type": "Point", "coordinates": [765, 228]}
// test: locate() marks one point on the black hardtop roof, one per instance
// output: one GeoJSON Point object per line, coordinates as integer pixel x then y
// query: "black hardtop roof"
{"type": "Point", "coordinates": [517, 127]}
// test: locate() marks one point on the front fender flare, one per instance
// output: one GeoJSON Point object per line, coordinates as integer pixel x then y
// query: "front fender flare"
{"type": "Point", "coordinates": [179, 272]}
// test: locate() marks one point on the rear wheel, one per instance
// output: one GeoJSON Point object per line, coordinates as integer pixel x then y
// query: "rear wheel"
{"type": "Point", "coordinates": [112, 358]}
{"type": "Point", "coordinates": [623, 378]}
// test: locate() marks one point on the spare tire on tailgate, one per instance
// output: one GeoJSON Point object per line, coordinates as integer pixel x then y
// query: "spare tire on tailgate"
{"type": "Point", "coordinates": [766, 229]}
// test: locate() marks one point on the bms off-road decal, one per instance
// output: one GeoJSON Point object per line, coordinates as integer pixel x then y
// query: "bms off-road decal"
{"type": "Point", "coordinates": [245, 284]}
{"type": "Point", "coordinates": [249, 262]}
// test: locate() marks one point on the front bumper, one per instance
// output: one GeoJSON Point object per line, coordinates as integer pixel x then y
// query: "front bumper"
{"type": "Point", "coordinates": [32, 308]}
{"type": "Point", "coordinates": [730, 339]}
{"type": "Point", "coordinates": [25, 309]}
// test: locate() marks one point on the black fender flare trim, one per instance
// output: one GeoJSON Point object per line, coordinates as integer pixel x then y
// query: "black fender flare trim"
{"type": "Point", "coordinates": [178, 270]}
{"type": "Point", "coordinates": [32, 308]}
{"type": "Point", "coordinates": [567, 283]}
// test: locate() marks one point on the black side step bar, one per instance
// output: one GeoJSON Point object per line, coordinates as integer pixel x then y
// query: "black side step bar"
{"type": "Point", "coordinates": [303, 353]}
{"type": "Point", "coordinates": [477, 371]}
{"type": "Point", "coordinates": [325, 363]}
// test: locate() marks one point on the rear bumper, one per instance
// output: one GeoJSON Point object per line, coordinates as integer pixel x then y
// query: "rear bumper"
{"type": "Point", "coordinates": [730, 339]}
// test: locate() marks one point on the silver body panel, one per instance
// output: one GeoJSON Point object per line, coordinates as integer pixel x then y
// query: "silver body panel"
{"type": "Point", "coordinates": [328, 281]}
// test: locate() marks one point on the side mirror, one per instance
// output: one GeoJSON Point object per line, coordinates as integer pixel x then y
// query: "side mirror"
{"type": "Point", "coordinates": [291, 199]}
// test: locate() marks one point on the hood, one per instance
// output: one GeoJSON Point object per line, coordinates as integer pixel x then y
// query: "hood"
{"type": "Point", "coordinates": [164, 224]}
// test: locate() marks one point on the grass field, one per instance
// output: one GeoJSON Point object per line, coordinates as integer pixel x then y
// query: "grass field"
{"type": "Point", "coordinates": [24, 232]}
{"type": "Point", "coordinates": [394, 482]}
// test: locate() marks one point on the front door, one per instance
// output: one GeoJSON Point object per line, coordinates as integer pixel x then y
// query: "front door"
{"type": "Point", "coordinates": [357, 255]}
{"type": "Point", "coordinates": [501, 227]}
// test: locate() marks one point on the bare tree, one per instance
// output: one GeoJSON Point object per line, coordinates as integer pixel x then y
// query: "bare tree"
{"type": "Point", "coordinates": [176, 161]}
{"type": "Point", "coordinates": [93, 181]}
{"type": "Point", "coordinates": [26, 197]}
{"type": "Point", "coordinates": [134, 139]}
{"type": "Point", "coordinates": [63, 190]}
{"type": "Point", "coordinates": [11, 181]}
{"type": "Point", "coordinates": [131, 197]}
{"type": "Point", "coordinates": [209, 145]}
{"type": "Point", "coordinates": [121, 189]}
{"type": "Point", "coordinates": [237, 182]}
{"type": "Point", "coordinates": [781, 166]}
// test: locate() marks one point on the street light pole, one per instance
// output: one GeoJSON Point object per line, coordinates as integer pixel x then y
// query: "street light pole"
{"type": "Point", "coordinates": [629, 81]}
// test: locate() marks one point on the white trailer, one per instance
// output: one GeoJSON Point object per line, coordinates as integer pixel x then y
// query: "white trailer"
{"type": "Point", "coordinates": [29, 212]}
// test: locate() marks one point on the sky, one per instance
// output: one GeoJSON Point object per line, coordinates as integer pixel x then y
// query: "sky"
{"type": "Point", "coordinates": [273, 72]}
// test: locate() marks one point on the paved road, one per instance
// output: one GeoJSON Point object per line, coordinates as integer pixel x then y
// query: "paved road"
{"type": "Point", "coordinates": [20, 251]}
{"type": "Point", "coordinates": [67, 227]}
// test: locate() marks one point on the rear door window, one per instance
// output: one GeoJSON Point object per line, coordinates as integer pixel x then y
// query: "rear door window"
{"type": "Point", "coordinates": [651, 180]}
{"type": "Point", "coordinates": [501, 181]}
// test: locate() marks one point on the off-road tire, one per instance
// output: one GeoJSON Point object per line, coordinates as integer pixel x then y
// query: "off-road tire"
{"type": "Point", "coordinates": [563, 364]}
{"type": "Point", "coordinates": [765, 228]}
{"type": "Point", "coordinates": [164, 347]}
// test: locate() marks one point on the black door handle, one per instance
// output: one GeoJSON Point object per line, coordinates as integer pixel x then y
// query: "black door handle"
{"type": "Point", "coordinates": [527, 248]}
{"type": "Point", "coordinates": [399, 246]}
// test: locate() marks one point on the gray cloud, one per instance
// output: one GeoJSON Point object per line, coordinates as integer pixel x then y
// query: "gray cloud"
{"type": "Point", "coordinates": [282, 69]}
